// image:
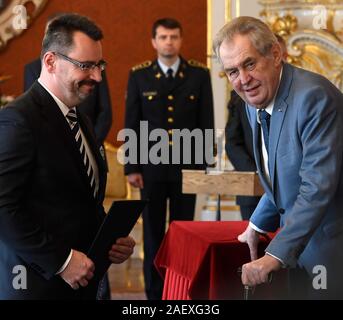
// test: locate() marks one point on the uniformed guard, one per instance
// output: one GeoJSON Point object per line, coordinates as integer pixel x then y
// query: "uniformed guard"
{"type": "Point", "coordinates": [169, 93]}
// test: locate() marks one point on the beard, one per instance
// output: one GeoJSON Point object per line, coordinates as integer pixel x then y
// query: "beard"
{"type": "Point", "coordinates": [83, 94]}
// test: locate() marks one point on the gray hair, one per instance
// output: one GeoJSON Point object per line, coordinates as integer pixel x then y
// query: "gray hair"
{"type": "Point", "coordinates": [261, 37]}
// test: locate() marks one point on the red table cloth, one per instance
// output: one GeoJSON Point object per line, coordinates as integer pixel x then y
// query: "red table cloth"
{"type": "Point", "coordinates": [200, 259]}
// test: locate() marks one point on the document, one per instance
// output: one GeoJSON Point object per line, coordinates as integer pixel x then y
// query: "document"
{"type": "Point", "coordinates": [118, 223]}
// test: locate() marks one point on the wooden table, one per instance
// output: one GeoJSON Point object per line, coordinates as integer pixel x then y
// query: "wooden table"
{"type": "Point", "coordinates": [224, 183]}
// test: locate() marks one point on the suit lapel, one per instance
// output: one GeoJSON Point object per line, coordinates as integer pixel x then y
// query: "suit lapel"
{"type": "Point", "coordinates": [277, 118]}
{"type": "Point", "coordinates": [53, 115]}
{"type": "Point", "coordinates": [159, 78]}
{"type": "Point", "coordinates": [181, 75]}
{"type": "Point", "coordinates": [276, 122]}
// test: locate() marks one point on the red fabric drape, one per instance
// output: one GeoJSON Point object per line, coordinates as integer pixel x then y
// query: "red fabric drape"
{"type": "Point", "coordinates": [200, 259]}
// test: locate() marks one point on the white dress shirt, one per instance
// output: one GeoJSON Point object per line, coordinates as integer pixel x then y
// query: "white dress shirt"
{"type": "Point", "coordinates": [174, 66]}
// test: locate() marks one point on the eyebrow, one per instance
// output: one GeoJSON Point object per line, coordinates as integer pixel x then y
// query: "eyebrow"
{"type": "Point", "coordinates": [246, 61]}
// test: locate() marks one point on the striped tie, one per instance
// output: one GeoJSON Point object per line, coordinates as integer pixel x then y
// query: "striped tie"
{"type": "Point", "coordinates": [75, 129]}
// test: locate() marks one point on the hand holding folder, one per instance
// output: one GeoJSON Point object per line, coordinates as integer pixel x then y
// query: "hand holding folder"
{"type": "Point", "coordinates": [118, 223]}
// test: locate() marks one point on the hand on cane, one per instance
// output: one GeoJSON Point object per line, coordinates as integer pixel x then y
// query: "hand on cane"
{"type": "Point", "coordinates": [258, 270]}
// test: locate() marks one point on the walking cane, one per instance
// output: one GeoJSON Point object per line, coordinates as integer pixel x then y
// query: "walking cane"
{"type": "Point", "coordinates": [248, 291]}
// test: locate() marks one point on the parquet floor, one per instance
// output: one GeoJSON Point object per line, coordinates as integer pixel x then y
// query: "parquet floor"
{"type": "Point", "coordinates": [126, 280]}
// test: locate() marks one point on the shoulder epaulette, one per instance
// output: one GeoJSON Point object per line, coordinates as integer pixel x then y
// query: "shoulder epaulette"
{"type": "Point", "coordinates": [198, 64]}
{"type": "Point", "coordinates": [143, 65]}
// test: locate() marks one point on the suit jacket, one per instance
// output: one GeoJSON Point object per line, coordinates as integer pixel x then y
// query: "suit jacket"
{"type": "Point", "coordinates": [305, 164]}
{"type": "Point", "coordinates": [238, 143]}
{"type": "Point", "coordinates": [46, 203]}
{"type": "Point", "coordinates": [185, 104]}
{"type": "Point", "coordinates": [97, 106]}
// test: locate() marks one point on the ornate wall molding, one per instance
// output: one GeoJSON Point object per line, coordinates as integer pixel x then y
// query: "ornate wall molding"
{"type": "Point", "coordinates": [320, 14]}
{"type": "Point", "coordinates": [313, 31]}
{"type": "Point", "coordinates": [14, 20]}
{"type": "Point", "coordinates": [319, 52]}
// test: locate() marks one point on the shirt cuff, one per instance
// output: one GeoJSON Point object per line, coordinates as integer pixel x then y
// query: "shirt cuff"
{"type": "Point", "coordinates": [251, 225]}
{"type": "Point", "coordinates": [283, 264]}
{"type": "Point", "coordinates": [265, 232]}
{"type": "Point", "coordinates": [65, 263]}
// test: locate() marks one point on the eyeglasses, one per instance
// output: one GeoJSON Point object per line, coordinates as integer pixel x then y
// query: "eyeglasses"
{"type": "Point", "coordinates": [84, 66]}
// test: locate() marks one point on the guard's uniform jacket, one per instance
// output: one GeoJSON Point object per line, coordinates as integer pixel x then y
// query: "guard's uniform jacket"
{"type": "Point", "coordinates": [185, 103]}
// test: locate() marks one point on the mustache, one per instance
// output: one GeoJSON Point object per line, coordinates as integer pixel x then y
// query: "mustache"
{"type": "Point", "coordinates": [87, 82]}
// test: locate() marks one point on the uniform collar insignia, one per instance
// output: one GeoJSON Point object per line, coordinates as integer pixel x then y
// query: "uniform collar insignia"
{"type": "Point", "coordinates": [149, 93]}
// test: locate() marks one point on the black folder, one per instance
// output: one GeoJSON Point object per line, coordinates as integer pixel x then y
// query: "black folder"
{"type": "Point", "coordinates": [118, 223]}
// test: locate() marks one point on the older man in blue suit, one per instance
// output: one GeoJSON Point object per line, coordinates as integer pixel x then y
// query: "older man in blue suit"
{"type": "Point", "coordinates": [297, 123]}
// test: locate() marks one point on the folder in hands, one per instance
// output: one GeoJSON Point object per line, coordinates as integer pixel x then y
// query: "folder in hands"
{"type": "Point", "coordinates": [118, 223]}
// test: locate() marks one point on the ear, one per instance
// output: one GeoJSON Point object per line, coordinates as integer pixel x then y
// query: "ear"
{"type": "Point", "coordinates": [49, 62]}
{"type": "Point", "coordinates": [153, 42]}
{"type": "Point", "coordinates": [277, 54]}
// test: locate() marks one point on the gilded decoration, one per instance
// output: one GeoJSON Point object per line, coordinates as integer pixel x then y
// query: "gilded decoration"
{"type": "Point", "coordinates": [313, 31]}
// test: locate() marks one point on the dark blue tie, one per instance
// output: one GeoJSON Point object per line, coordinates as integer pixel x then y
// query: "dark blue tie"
{"type": "Point", "coordinates": [170, 78]}
{"type": "Point", "coordinates": [170, 75]}
{"type": "Point", "coordinates": [264, 117]}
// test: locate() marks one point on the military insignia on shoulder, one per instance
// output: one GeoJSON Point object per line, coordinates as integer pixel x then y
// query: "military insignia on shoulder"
{"type": "Point", "coordinates": [143, 65]}
{"type": "Point", "coordinates": [198, 64]}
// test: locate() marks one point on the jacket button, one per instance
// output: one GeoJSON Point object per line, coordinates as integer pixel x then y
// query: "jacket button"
{"type": "Point", "coordinates": [281, 211]}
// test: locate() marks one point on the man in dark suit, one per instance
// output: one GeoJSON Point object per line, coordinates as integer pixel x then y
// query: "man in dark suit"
{"type": "Point", "coordinates": [52, 176]}
{"type": "Point", "coordinates": [296, 118]}
{"type": "Point", "coordinates": [239, 146]}
{"type": "Point", "coordinates": [169, 93]}
{"type": "Point", "coordinates": [97, 106]}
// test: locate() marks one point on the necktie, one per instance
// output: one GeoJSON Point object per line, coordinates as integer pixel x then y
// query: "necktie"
{"type": "Point", "coordinates": [264, 117]}
{"type": "Point", "coordinates": [170, 75]}
{"type": "Point", "coordinates": [75, 129]}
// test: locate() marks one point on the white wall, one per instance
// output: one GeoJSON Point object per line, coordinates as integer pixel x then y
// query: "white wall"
{"type": "Point", "coordinates": [248, 7]}
{"type": "Point", "coordinates": [217, 20]}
